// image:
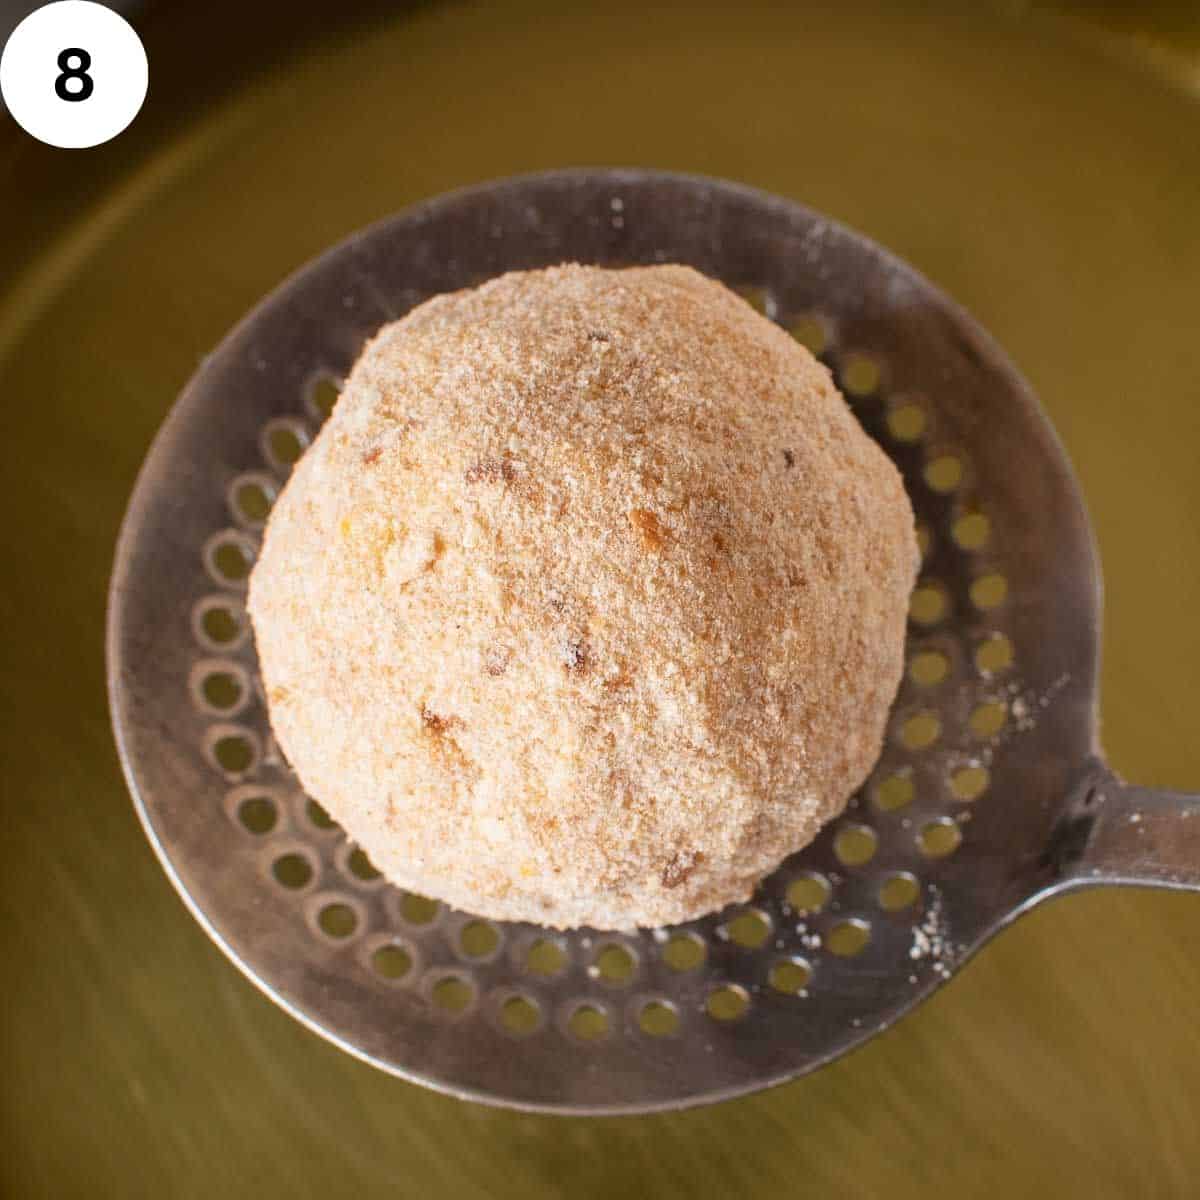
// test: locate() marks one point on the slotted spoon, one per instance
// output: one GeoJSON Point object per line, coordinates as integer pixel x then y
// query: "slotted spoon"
{"type": "Point", "coordinates": [990, 794]}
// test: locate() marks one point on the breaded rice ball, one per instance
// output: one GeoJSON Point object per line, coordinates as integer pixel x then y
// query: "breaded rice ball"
{"type": "Point", "coordinates": [587, 606]}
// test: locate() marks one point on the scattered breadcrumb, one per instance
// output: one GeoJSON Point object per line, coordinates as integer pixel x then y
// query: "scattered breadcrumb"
{"type": "Point", "coordinates": [931, 937]}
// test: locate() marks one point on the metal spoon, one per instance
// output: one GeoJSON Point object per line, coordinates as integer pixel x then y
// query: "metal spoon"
{"type": "Point", "coordinates": [990, 796]}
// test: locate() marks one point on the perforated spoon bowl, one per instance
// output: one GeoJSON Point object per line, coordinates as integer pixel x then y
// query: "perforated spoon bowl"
{"type": "Point", "coordinates": [990, 796]}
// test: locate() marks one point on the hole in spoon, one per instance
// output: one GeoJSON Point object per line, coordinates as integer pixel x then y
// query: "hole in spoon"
{"type": "Point", "coordinates": [906, 422]}
{"type": "Point", "coordinates": [808, 893]}
{"type": "Point", "coordinates": [257, 814]}
{"type": "Point", "coordinates": [684, 952]}
{"type": "Point", "coordinates": [588, 1023]}
{"type": "Point", "coordinates": [218, 624]}
{"type": "Point", "coordinates": [848, 938]}
{"type": "Point", "coordinates": [251, 497]}
{"type": "Point", "coordinates": [418, 910]}
{"type": "Point", "coordinates": [337, 920]}
{"type": "Point", "coordinates": [229, 557]}
{"type": "Point", "coordinates": [939, 838]}
{"type": "Point", "coordinates": [790, 976]}
{"type": "Point", "coordinates": [920, 731]}
{"type": "Point", "coordinates": [894, 791]}
{"type": "Point", "coordinates": [988, 719]}
{"type": "Point", "coordinates": [898, 892]}
{"type": "Point", "coordinates": [233, 750]}
{"type": "Point", "coordinates": [360, 866]}
{"type": "Point", "coordinates": [284, 441]}
{"type": "Point", "coordinates": [944, 473]}
{"type": "Point", "coordinates": [322, 396]}
{"type": "Point", "coordinates": [855, 845]}
{"type": "Point", "coordinates": [989, 591]}
{"type": "Point", "coordinates": [727, 1003]}
{"type": "Point", "coordinates": [222, 690]}
{"type": "Point", "coordinates": [658, 1018]}
{"type": "Point", "coordinates": [994, 655]}
{"type": "Point", "coordinates": [758, 297]}
{"type": "Point", "coordinates": [452, 994]}
{"type": "Point", "coordinates": [520, 1015]}
{"type": "Point", "coordinates": [292, 871]}
{"type": "Point", "coordinates": [546, 957]}
{"type": "Point", "coordinates": [860, 374]}
{"type": "Point", "coordinates": [478, 939]}
{"type": "Point", "coordinates": [812, 332]}
{"type": "Point", "coordinates": [971, 531]}
{"type": "Point", "coordinates": [928, 667]}
{"type": "Point", "coordinates": [928, 603]}
{"type": "Point", "coordinates": [969, 783]}
{"type": "Point", "coordinates": [749, 929]}
{"type": "Point", "coordinates": [391, 962]}
{"type": "Point", "coordinates": [615, 964]}
{"type": "Point", "coordinates": [318, 817]}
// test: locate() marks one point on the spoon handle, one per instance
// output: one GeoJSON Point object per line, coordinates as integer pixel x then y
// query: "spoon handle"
{"type": "Point", "coordinates": [1134, 836]}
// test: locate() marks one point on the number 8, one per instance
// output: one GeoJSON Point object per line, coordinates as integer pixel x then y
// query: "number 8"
{"type": "Point", "coordinates": [70, 72]}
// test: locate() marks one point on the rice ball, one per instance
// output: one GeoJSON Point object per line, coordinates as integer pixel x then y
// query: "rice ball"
{"type": "Point", "coordinates": [587, 605]}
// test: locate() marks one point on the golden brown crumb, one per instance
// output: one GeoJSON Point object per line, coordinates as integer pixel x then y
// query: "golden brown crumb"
{"type": "Point", "coordinates": [679, 866]}
{"type": "Point", "coordinates": [649, 530]}
{"type": "Point", "coordinates": [587, 605]}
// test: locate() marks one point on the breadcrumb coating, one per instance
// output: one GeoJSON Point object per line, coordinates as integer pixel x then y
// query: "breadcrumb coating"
{"type": "Point", "coordinates": [587, 605]}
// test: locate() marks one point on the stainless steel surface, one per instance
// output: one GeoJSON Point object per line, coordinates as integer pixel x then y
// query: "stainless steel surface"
{"type": "Point", "coordinates": [973, 445]}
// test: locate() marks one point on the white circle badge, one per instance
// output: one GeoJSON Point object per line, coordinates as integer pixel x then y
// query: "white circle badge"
{"type": "Point", "coordinates": [73, 74]}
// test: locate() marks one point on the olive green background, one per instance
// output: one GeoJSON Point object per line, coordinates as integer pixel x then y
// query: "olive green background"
{"type": "Point", "coordinates": [1044, 168]}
